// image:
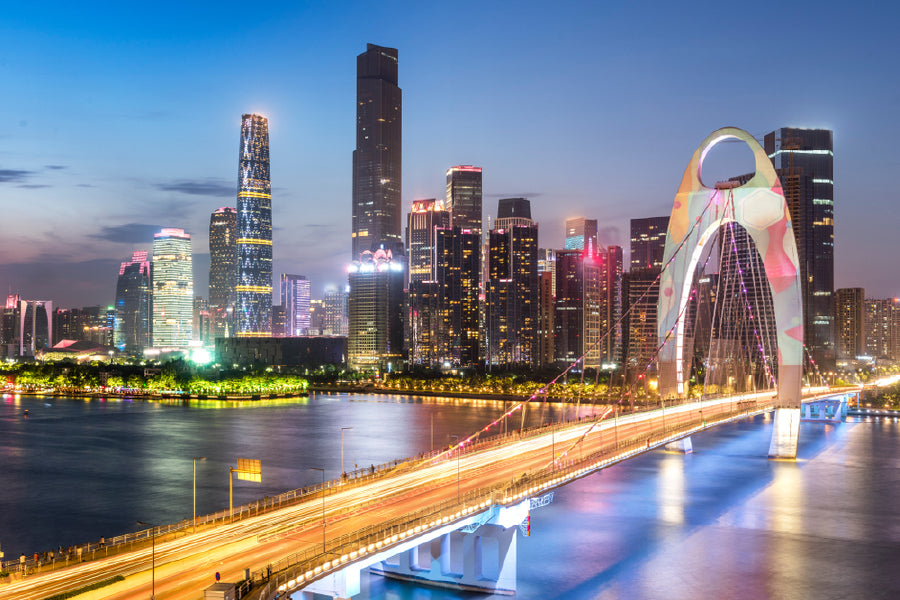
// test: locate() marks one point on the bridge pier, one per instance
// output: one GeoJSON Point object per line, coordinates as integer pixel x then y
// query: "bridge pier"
{"type": "Point", "coordinates": [340, 585]}
{"type": "Point", "coordinates": [481, 561]}
{"type": "Point", "coordinates": [785, 434]}
{"type": "Point", "coordinates": [684, 445]}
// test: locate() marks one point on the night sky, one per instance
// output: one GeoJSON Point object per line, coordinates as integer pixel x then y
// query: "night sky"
{"type": "Point", "coordinates": [118, 120]}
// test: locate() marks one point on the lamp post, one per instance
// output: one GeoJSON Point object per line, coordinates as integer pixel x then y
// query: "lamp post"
{"type": "Point", "coordinates": [342, 451]}
{"type": "Point", "coordinates": [196, 458]}
{"type": "Point", "coordinates": [152, 558]}
{"type": "Point", "coordinates": [323, 505]}
{"type": "Point", "coordinates": [456, 441]}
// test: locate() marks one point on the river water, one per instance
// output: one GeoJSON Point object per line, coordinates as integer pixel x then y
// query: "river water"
{"type": "Point", "coordinates": [722, 522]}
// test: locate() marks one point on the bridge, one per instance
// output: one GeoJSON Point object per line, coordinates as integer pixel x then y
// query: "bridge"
{"type": "Point", "coordinates": [451, 518]}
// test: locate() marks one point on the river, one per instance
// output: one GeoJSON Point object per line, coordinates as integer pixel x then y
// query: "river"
{"type": "Point", "coordinates": [722, 522]}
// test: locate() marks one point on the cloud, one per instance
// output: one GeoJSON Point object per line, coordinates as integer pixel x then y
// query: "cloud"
{"type": "Point", "coordinates": [55, 167]}
{"type": "Point", "coordinates": [208, 187]}
{"type": "Point", "coordinates": [129, 233]}
{"type": "Point", "coordinates": [85, 185]}
{"type": "Point", "coordinates": [14, 175]}
{"type": "Point", "coordinates": [33, 186]}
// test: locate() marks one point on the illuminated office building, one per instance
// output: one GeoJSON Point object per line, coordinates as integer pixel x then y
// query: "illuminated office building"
{"type": "Point", "coordinates": [464, 197]}
{"type": "Point", "coordinates": [295, 303]}
{"type": "Point", "coordinates": [849, 318]}
{"type": "Point", "coordinates": [334, 307]}
{"type": "Point", "coordinates": [804, 160]}
{"type": "Point", "coordinates": [375, 341]}
{"type": "Point", "coordinates": [253, 303]}
{"type": "Point", "coordinates": [422, 220]}
{"type": "Point", "coordinates": [222, 269]}
{"type": "Point", "coordinates": [376, 208]}
{"type": "Point", "coordinates": [581, 233]}
{"type": "Point", "coordinates": [132, 309]}
{"type": "Point", "coordinates": [173, 289]}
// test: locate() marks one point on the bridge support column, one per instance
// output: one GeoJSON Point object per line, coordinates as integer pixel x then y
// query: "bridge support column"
{"type": "Point", "coordinates": [785, 434]}
{"type": "Point", "coordinates": [483, 561]}
{"type": "Point", "coordinates": [683, 445]}
{"type": "Point", "coordinates": [340, 585]}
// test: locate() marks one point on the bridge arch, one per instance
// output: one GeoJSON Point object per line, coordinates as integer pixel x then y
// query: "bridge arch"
{"type": "Point", "coordinates": [760, 208]}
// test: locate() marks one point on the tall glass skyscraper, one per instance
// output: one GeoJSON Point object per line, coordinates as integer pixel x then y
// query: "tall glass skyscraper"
{"type": "Point", "coordinates": [295, 304]}
{"type": "Point", "coordinates": [804, 160]}
{"type": "Point", "coordinates": [464, 197]}
{"type": "Point", "coordinates": [132, 320]}
{"type": "Point", "coordinates": [222, 269]}
{"type": "Point", "coordinates": [173, 289]}
{"type": "Point", "coordinates": [253, 309]}
{"type": "Point", "coordinates": [376, 160]}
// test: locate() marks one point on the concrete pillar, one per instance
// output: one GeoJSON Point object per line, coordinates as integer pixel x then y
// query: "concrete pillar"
{"type": "Point", "coordinates": [341, 584]}
{"type": "Point", "coordinates": [484, 560]}
{"type": "Point", "coordinates": [683, 445]}
{"type": "Point", "coordinates": [785, 433]}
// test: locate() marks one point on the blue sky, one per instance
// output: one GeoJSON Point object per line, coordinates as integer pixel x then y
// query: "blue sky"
{"type": "Point", "coordinates": [119, 119]}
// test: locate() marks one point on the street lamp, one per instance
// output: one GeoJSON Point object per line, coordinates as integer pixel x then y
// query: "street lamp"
{"type": "Point", "coordinates": [456, 440]}
{"type": "Point", "coordinates": [152, 558]}
{"type": "Point", "coordinates": [196, 458]}
{"type": "Point", "coordinates": [323, 505]}
{"type": "Point", "coordinates": [342, 451]}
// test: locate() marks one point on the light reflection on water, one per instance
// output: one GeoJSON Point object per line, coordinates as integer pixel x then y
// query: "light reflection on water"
{"type": "Point", "coordinates": [721, 522]}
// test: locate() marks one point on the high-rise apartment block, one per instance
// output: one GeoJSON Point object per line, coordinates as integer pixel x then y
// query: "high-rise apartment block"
{"type": "Point", "coordinates": [804, 161]}
{"type": "Point", "coordinates": [253, 304]}
{"type": "Point", "coordinates": [377, 158]}
{"type": "Point", "coordinates": [511, 306]}
{"type": "Point", "coordinates": [850, 322]}
{"type": "Point", "coordinates": [423, 218]}
{"type": "Point", "coordinates": [375, 342]}
{"type": "Point", "coordinates": [464, 197]}
{"type": "Point", "coordinates": [581, 233]}
{"type": "Point", "coordinates": [222, 269]}
{"type": "Point", "coordinates": [882, 323]}
{"type": "Point", "coordinates": [335, 315]}
{"type": "Point", "coordinates": [295, 303]}
{"type": "Point", "coordinates": [173, 289]}
{"type": "Point", "coordinates": [132, 320]}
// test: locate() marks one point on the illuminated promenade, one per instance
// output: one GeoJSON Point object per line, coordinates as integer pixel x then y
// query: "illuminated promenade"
{"type": "Point", "coordinates": [360, 516]}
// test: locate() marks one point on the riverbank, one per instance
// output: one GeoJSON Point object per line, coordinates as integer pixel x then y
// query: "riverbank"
{"type": "Point", "coordinates": [159, 396]}
{"type": "Point", "coordinates": [370, 389]}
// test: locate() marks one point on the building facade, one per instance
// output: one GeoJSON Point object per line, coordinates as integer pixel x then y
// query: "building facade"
{"type": "Point", "coordinates": [375, 341]}
{"type": "Point", "coordinates": [376, 208]}
{"type": "Point", "coordinates": [581, 233]}
{"type": "Point", "coordinates": [222, 269]}
{"type": "Point", "coordinates": [253, 290]}
{"type": "Point", "coordinates": [464, 197]}
{"type": "Point", "coordinates": [132, 321]}
{"type": "Point", "coordinates": [173, 289]}
{"type": "Point", "coordinates": [423, 218]}
{"type": "Point", "coordinates": [335, 319]}
{"type": "Point", "coordinates": [295, 298]}
{"type": "Point", "coordinates": [804, 160]}
{"type": "Point", "coordinates": [850, 322]}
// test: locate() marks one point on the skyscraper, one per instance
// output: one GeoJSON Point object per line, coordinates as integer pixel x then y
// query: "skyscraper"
{"type": "Point", "coordinates": [222, 269]}
{"type": "Point", "coordinates": [295, 303]}
{"type": "Point", "coordinates": [511, 303]}
{"type": "Point", "coordinates": [581, 233]}
{"type": "Point", "coordinates": [132, 322]}
{"type": "Point", "coordinates": [422, 220]}
{"type": "Point", "coordinates": [458, 273]}
{"type": "Point", "coordinates": [253, 307]}
{"type": "Point", "coordinates": [804, 161]}
{"type": "Point", "coordinates": [335, 320]}
{"type": "Point", "coordinates": [377, 158]}
{"type": "Point", "coordinates": [648, 242]}
{"type": "Point", "coordinates": [849, 318]}
{"type": "Point", "coordinates": [376, 313]}
{"type": "Point", "coordinates": [464, 197]}
{"type": "Point", "coordinates": [173, 289]}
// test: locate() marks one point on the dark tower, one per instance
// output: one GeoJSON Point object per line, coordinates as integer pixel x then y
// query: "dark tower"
{"type": "Point", "coordinates": [222, 268]}
{"type": "Point", "coordinates": [376, 160]}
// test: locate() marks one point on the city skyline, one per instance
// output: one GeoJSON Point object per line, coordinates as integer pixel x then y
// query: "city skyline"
{"type": "Point", "coordinates": [580, 140]}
